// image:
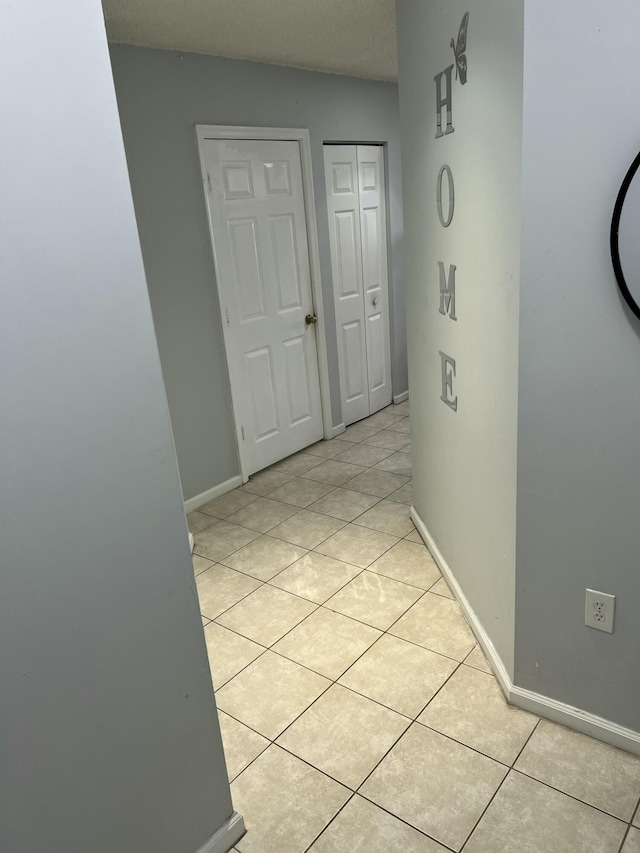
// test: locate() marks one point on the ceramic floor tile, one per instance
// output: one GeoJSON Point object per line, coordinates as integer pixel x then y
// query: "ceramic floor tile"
{"type": "Point", "coordinates": [285, 803]}
{"type": "Point", "coordinates": [407, 562]}
{"type": "Point", "coordinates": [197, 521]}
{"type": "Point", "coordinates": [414, 536]}
{"type": "Point", "coordinates": [383, 418]}
{"type": "Point", "coordinates": [266, 615]}
{"type": "Point", "coordinates": [296, 464]}
{"type": "Point", "coordinates": [631, 844]}
{"type": "Point", "coordinates": [333, 472]}
{"type": "Point", "coordinates": [398, 463]}
{"type": "Point", "coordinates": [436, 785]}
{"type": "Point", "coordinates": [307, 528]}
{"type": "Point", "coordinates": [301, 492]}
{"type": "Point", "coordinates": [327, 642]}
{"type": "Point", "coordinates": [358, 432]}
{"type": "Point", "coordinates": [388, 517]}
{"type": "Point", "coordinates": [374, 599]}
{"type": "Point", "coordinates": [636, 819]}
{"type": "Point", "coordinates": [241, 744]}
{"type": "Point", "coordinates": [220, 588]}
{"type": "Point", "coordinates": [401, 426]}
{"type": "Point", "coordinates": [441, 588]}
{"type": "Point", "coordinates": [437, 624]}
{"type": "Point", "coordinates": [477, 660]}
{"type": "Point", "coordinates": [344, 504]}
{"type": "Point", "coordinates": [264, 557]}
{"type": "Point", "coordinates": [290, 689]}
{"type": "Point", "coordinates": [565, 759]}
{"type": "Point", "coordinates": [404, 495]}
{"type": "Point", "coordinates": [388, 439]}
{"type": "Point", "coordinates": [200, 564]}
{"type": "Point", "coordinates": [406, 448]}
{"type": "Point", "coordinates": [226, 504]}
{"type": "Point", "coordinates": [344, 735]}
{"type": "Point", "coordinates": [472, 709]}
{"type": "Point", "coordinates": [222, 539]}
{"type": "Point", "coordinates": [402, 408]}
{"type": "Point", "coordinates": [265, 482]}
{"type": "Point", "coordinates": [357, 545]}
{"type": "Point", "coordinates": [205, 621]}
{"type": "Point", "coordinates": [362, 827]}
{"type": "Point", "coordinates": [378, 483]}
{"type": "Point", "coordinates": [315, 577]}
{"type": "Point", "coordinates": [228, 652]}
{"type": "Point", "coordinates": [262, 514]}
{"type": "Point", "coordinates": [364, 454]}
{"type": "Point", "coordinates": [399, 674]}
{"type": "Point", "coordinates": [528, 817]}
{"type": "Point", "coordinates": [328, 448]}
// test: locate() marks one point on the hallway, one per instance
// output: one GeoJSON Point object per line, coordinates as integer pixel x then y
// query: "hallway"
{"type": "Point", "coordinates": [357, 712]}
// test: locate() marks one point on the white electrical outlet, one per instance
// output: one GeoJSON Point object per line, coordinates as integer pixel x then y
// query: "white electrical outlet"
{"type": "Point", "coordinates": [599, 610]}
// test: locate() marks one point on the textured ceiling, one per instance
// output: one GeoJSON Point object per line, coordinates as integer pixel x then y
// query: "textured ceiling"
{"type": "Point", "coordinates": [356, 37]}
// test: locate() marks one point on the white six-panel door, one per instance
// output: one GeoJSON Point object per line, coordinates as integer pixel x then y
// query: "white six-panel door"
{"type": "Point", "coordinates": [258, 226]}
{"type": "Point", "coordinates": [357, 231]}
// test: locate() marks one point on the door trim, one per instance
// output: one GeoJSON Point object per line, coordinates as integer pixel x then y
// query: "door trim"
{"type": "Point", "coordinates": [206, 132]}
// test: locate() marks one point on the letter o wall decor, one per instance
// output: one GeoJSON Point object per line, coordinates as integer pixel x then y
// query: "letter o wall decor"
{"type": "Point", "coordinates": [625, 238]}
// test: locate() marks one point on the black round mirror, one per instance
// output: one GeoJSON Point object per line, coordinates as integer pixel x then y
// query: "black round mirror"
{"type": "Point", "coordinates": [625, 238]}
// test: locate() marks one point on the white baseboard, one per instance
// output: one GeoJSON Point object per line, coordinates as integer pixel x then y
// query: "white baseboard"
{"type": "Point", "coordinates": [528, 700]}
{"type": "Point", "coordinates": [400, 398]}
{"type": "Point", "coordinates": [210, 494]}
{"type": "Point", "coordinates": [223, 840]}
{"type": "Point", "coordinates": [337, 430]}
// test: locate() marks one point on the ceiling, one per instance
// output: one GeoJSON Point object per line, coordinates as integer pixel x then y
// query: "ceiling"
{"type": "Point", "coordinates": [355, 37]}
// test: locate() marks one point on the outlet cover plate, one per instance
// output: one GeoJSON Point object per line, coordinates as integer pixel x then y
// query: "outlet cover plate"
{"type": "Point", "coordinates": [599, 610]}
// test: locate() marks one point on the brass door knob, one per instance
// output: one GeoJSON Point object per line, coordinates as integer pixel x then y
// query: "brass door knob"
{"type": "Point", "coordinates": [310, 318]}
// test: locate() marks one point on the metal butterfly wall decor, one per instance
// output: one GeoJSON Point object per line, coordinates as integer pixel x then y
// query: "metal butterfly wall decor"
{"type": "Point", "coordinates": [459, 49]}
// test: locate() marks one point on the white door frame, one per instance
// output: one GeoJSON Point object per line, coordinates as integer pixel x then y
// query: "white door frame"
{"type": "Point", "coordinates": [301, 136]}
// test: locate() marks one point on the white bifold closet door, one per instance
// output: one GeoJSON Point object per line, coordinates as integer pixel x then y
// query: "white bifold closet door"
{"type": "Point", "coordinates": [356, 206]}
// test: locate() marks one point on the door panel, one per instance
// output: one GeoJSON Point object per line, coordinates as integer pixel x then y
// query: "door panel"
{"type": "Point", "coordinates": [375, 353]}
{"type": "Point", "coordinates": [370, 248]}
{"type": "Point", "coordinates": [296, 374]}
{"type": "Point", "coordinates": [348, 261]}
{"type": "Point", "coordinates": [285, 258]}
{"type": "Point", "coordinates": [263, 393]}
{"type": "Point", "coordinates": [258, 225]}
{"type": "Point", "coordinates": [357, 233]}
{"type": "Point", "coordinates": [246, 268]}
{"type": "Point", "coordinates": [353, 344]}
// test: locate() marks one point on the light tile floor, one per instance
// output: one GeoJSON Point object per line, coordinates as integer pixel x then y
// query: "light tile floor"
{"type": "Point", "coordinates": [358, 714]}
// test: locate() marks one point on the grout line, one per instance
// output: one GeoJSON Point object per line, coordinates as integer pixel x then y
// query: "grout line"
{"type": "Point", "coordinates": [226, 610]}
{"type": "Point", "coordinates": [533, 730]}
{"type": "Point", "coordinates": [444, 683]}
{"type": "Point", "coordinates": [507, 767]}
{"type": "Point", "coordinates": [324, 829]}
{"type": "Point", "coordinates": [511, 769]}
{"type": "Point", "coordinates": [382, 758]}
{"type": "Point", "coordinates": [405, 822]}
{"type": "Point", "coordinates": [484, 811]}
{"type": "Point", "coordinates": [322, 603]}
{"type": "Point", "coordinates": [571, 796]}
{"type": "Point", "coordinates": [624, 839]}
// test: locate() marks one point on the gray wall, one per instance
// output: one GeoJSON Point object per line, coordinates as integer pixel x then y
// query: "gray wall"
{"type": "Point", "coordinates": [108, 733]}
{"type": "Point", "coordinates": [161, 96]}
{"type": "Point", "coordinates": [579, 418]}
{"type": "Point", "coordinates": [465, 462]}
